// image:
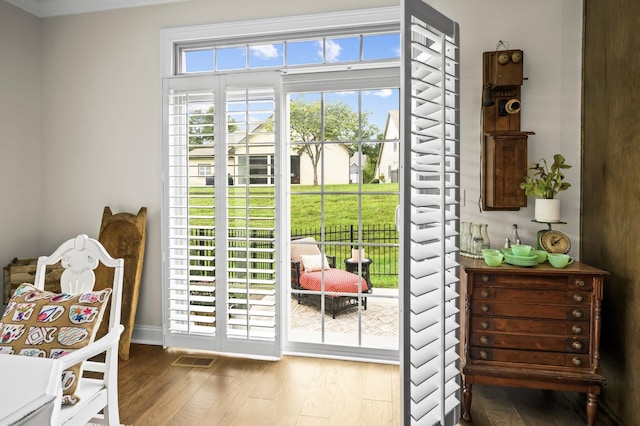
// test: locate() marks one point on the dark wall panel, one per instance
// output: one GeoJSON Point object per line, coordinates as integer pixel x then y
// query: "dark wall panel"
{"type": "Point", "coordinates": [610, 230]}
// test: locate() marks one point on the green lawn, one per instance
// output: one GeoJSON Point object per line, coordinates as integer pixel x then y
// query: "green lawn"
{"type": "Point", "coordinates": [340, 205]}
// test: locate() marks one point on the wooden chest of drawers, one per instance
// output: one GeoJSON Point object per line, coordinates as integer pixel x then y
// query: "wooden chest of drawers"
{"type": "Point", "coordinates": [536, 327]}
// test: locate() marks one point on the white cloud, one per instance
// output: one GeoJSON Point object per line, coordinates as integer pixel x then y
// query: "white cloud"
{"type": "Point", "coordinates": [333, 50]}
{"type": "Point", "coordinates": [382, 93]}
{"type": "Point", "coordinates": [267, 51]}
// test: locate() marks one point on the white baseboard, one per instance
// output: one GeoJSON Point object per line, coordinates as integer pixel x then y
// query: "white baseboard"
{"type": "Point", "coordinates": [147, 335]}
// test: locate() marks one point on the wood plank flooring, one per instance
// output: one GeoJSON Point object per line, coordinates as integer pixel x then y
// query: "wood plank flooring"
{"type": "Point", "coordinates": [505, 406]}
{"type": "Point", "coordinates": [235, 391]}
{"type": "Point", "coordinates": [305, 391]}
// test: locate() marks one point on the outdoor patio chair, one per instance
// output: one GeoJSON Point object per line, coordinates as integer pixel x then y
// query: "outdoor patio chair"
{"type": "Point", "coordinates": [309, 267]}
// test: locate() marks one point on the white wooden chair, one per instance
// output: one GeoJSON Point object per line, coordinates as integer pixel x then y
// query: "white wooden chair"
{"type": "Point", "coordinates": [96, 394]}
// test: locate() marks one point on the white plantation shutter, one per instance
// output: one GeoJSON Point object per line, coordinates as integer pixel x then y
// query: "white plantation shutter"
{"type": "Point", "coordinates": [190, 260]}
{"type": "Point", "coordinates": [220, 288]}
{"type": "Point", "coordinates": [251, 220]}
{"type": "Point", "coordinates": [429, 203]}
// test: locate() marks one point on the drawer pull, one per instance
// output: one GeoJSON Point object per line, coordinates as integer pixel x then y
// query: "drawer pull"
{"type": "Point", "coordinates": [484, 325]}
{"type": "Point", "coordinates": [576, 361]}
{"type": "Point", "coordinates": [484, 278]}
{"type": "Point", "coordinates": [580, 283]}
{"type": "Point", "coordinates": [485, 293]}
{"type": "Point", "coordinates": [577, 345]}
{"type": "Point", "coordinates": [483, 355]}
{"type": "Point", "coordinates": [576, 313]}
{"type": "Point", "coordinates": [576, 329]}
{"type": "Point", "coordinates": [578, 297]}
{"type": "Point", "coordinates": [484, 308]}
{"type": "Point", "coordinates": [484, 340]}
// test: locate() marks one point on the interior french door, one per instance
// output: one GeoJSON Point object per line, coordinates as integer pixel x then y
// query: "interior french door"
{"type": "Point", "coordinates": [430, 211]}
{"type": "Point", "coordinates": [220, 260]}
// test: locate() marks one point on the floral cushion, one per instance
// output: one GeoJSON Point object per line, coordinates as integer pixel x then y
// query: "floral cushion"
{"type": "Point", "coordinates": [44, 324]}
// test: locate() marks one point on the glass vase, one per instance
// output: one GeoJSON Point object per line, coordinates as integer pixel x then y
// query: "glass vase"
{"type": "Point", "coordinates": [465, 236]}
{"type": "Point", "coordinates": [484, 231]}
{"type": "Point", "coordinates": [476, 239]}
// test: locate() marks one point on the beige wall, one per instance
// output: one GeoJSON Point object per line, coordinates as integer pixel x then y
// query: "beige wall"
{"type": "Point", "coordinates": [101, 111]}
{"type": "Point", "coordinates": [101, 121]}
{"type": "Point", "coordinates": [100, 97]}
{"type": "Point", "coordinates": [550, 34]}
{"type": "Point", "coordinates": [610, 227]}
{"type": "Point", "coordinates": [336, 166]}
{"type": "Point", "coordinates": [80, 113]}
{"type": "Point", "coordinates": [20, 134]}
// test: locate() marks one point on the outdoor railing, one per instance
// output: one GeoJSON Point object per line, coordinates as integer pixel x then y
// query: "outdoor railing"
{"type": "Point", "coordinates": [380, 243]}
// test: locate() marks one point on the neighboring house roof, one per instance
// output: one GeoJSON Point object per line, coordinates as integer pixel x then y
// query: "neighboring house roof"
{"type": "Point", "coordinates": [392, 126]}
{"type": "Point", "coordinates": [355, 160]}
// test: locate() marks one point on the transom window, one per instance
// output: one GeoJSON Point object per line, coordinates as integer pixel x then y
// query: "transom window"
{"type": "Point", "coordinates": [346, 48]}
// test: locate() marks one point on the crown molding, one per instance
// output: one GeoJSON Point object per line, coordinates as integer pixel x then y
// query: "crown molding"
{"type": "Point", "coordinates": [51, 8]}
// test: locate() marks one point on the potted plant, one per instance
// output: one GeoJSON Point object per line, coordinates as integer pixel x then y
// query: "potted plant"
{"type": "Point", "coordinates": [544, 183]}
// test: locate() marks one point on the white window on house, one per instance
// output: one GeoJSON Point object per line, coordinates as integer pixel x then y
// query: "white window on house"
{"type": "Point", "coordinates": [204, 169]}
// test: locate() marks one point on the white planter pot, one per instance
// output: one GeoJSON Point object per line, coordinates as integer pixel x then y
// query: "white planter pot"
{"type": "Point", "coordinates": [547, 210]}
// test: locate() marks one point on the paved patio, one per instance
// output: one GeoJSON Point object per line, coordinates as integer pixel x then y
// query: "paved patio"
{"type": "Point", "coordinates": [379, 319]}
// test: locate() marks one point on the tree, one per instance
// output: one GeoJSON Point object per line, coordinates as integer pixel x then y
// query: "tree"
{"type": "Point", "coordinates": [340, 124]}
{"type": "Point", "coordinates": [201, 127]}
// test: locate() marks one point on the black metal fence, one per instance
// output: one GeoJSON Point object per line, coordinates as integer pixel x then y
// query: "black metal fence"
{"type": "Point", "coordinates": [380, 243]}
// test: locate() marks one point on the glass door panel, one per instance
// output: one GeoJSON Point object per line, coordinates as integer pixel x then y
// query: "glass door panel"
{"type": "Point", "coordinates": [349, 213]}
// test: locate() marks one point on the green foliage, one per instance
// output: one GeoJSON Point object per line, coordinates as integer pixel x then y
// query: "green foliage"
{"type": "Point", "coordinates": [341, 123]}
{"type": "Point", "coordinates": [201, 127]}
{"type": "Point", "coordinates": [542, 182]}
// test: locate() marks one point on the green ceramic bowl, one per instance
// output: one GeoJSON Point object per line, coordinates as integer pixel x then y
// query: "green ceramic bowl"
{"type": "Point", "coordinates": [542, 255]}
{"type": "Point", "coordinates": [521, 249]}
{"type": "Point", "coordinates": [490, 251]}
{"type": "Point", "coordinates": [493, 259]}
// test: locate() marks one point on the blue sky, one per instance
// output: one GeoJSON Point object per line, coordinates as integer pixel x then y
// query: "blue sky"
{"type": "Point", "coordinates": [309, 52]}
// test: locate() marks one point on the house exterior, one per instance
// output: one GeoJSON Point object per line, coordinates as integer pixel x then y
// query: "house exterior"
{"type": "Point", "coordinates": [336, 154]}
{"type": "Point", "coordinates": [355, 167]}
{"type": "Point", "coordinates": [388, 163]}
{"type": "Point", "coordinates": [345, 167]}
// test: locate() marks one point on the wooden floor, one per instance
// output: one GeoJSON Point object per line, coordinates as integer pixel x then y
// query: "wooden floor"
{"type": "Point", "coordinates": [504, 406]}
{"type": "Point", "coordinates": [304, 391]}
{"type": "Point", "coordinates": [234, 391]}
